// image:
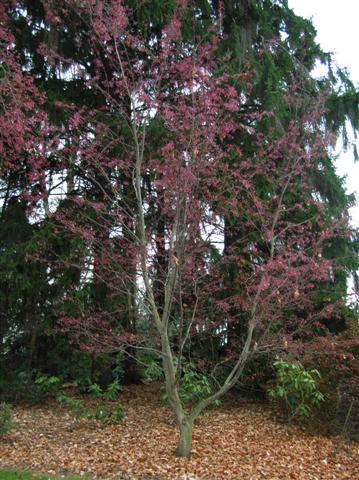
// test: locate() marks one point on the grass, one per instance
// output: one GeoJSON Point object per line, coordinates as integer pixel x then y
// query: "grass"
{"type": "Point", "coordinates": [17, 475]}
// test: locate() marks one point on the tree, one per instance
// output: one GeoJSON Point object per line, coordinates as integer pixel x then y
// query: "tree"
{"type": "Point", "coordinates": [166, 153]}
{"type": "Point", "coordinates": [184, 179]}
{"type": "Point", "coordinates": [263, 36]}
{"type": "Point", "coordinates": [249, 26]}
{"type": "Point", "coordinates": [25, 143]}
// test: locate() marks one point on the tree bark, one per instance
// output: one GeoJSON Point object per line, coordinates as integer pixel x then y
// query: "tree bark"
{"type": "Point", "coordinates": [185, 439]}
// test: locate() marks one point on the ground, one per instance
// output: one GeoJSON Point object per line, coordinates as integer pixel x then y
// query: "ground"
{"type": "Point", "coordinates": [239, 440]}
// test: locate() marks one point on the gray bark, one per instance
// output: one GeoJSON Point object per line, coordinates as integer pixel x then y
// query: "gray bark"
{"type": "Point", "coordinates": [185, 440]}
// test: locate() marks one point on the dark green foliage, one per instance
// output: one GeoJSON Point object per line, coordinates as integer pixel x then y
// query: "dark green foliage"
{"type": "Point", "coordinates": [194, 385]}
{"type": "Point", "coordinates": [111, 392]}
{"type": "Point", "coordinates": [5, 418]}
{"type": "Point", "coordinates": [20, 314]}
{"type": "Point", "coordinates": [76, 405]}
{"type": "Point", "coordinates": [296, 389]}
{"type": "Point", "coordinates": [49, 384]}
{"type": "Point", "coordinates": [95, 390]}
{"type": "Point", "coordinates": [21, 387]}
{"type": "Point", "coordinates": [102, 412]}
{"type": "Point", "coordinates": [109, 415]}
{"type": "Point", "coordinates": [152, 366]}
{"type": "Point", "coordinates": [30, 386]}
{"type": "Point", "coordinates": [119, 413]}
{"type": "Point", "coordinates": [257, 375]}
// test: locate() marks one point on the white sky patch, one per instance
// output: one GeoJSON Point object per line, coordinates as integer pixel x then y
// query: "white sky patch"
{"type": "Point", "coordinates": [337, 28]}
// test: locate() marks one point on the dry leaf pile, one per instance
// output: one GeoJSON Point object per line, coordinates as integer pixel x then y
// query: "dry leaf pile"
{"type": "Point", "coordinates": [236, 441]}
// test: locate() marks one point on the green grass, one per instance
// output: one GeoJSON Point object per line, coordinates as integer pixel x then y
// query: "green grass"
{"type": "Point", "coordinates": [16, 475]}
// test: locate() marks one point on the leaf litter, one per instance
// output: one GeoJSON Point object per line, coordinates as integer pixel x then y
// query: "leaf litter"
{"type": "Point", "coordinates": [239, 440]}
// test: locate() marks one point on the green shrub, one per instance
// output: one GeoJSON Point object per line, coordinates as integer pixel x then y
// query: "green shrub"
{"type": "Point", "coordinates": [25, 475]}
{"type": "Point", "coordinates": [296, 388]}
{"type": "Point", "coordinates": [112, 390]}
{"type": "Point", "coordinates": [152, 366]}
{"type": "Point", "coordinates": [109, 415]}
{"type": "Point", "coordinates": [118, 370]}
{"type": "Point", "coordinates": [22, 387]}
{"type": "Point", "coordinates": [5, 418]}
{"type": "Point", "coordinates": [48, 384]}
{"type": "Point", "coordinates": [257, 374]}
{"type": "Point", "coordinates": [194, 385]}
{"type": "Point", "coordinates": [95, 390]}
{"type": "Point", "coordinates": [30, 386]}
{"type": "Point", "coordinates": [119, 413]}
{"type": "Point", "coordinates": [77, 405]}
{"type": "Point", "coordinates": [102, 412]}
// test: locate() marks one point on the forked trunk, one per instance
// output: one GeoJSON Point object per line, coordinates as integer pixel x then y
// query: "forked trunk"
{"type": "Point", "coordinates": [185, 440]}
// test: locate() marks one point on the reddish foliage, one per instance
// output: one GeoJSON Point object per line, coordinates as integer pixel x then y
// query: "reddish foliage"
{"type": "Point", "coordinates": [24, 130]}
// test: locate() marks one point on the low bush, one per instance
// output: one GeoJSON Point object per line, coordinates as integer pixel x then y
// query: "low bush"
{"type": "Point", "coordinates": [29, 386]}
{"type": "Point", "coordinates": [76, 405]}
{"type": "Point", "coordinates": [194, 385]}
{"type": "Point", "coordinates": [337, 359]}
{"type": "Point", "coordinates": [5, 418]}
{"type": "Point", "coordinates": [102, 412]}
{"type": "Point", "coordinates": [152, 366]}
{"type": "Point", "coordinates": [48, 384]}
{"type": "Point", "coordinates": [296, 389]}
{"type": "Point", "coordinates": [109, 415]}
{"type": "Point", "coordinates": [111, 392]}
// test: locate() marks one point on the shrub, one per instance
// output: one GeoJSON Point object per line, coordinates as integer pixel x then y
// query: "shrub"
{"type": "Point", "coordinates": [109, 415]}
{"type": "Point", "coordinates": [48, 384]}
{"type": "Point", "coordinates": [296, 388]}
{"type": "Point", "coordinates": [257, 376]}
{"type": "Point", "coordinates": [30, 386]}
{"type": "Point", "coordinates": [75, 404]}
{"type": "Point", "coordinates": [194, 384]}
{"type": "Point", "coordinates": [119, 413]}
{"type": "Point", "coordinates": [152, 366]}
{"type": "Point", "coordinates": [111, 392]}
{"type": "Point", "coordinates": [337, 358]}
{"type": "Point", "coordinates": [5, 418]}
{"type": "Point", "coordinates": [102, 412]}
{"type": "Point", "coordinates": [95, 390]}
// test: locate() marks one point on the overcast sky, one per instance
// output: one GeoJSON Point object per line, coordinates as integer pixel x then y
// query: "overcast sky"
{"type": "Point", "coordinates": [338, 32]}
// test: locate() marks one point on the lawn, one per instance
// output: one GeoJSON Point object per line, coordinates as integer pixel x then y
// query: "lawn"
{"type": "Point", "coordinates": [17, 475]}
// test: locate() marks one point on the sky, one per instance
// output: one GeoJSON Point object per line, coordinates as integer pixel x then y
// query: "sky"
{"type": "Point", "coordinates": [337, 27]}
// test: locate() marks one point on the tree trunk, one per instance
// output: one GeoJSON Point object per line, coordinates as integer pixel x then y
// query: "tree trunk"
{"type": "Point", "coordinates": [185, 440]}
